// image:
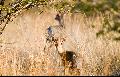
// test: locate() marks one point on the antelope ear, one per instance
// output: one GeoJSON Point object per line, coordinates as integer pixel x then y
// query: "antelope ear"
{"type": "Point", "coordinates": [57, 39]}
{"type": "Point", "coordinates": [57, 17]}
{"type": "Point", "coordinates": [63, 39]}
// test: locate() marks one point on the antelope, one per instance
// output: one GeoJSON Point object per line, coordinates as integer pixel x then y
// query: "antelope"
{"type": "Point", "coordinates": [67, 57]}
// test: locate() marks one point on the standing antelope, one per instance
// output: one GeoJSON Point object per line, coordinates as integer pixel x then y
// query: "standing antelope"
{"type": "Point", "coordinates": [67, 57]}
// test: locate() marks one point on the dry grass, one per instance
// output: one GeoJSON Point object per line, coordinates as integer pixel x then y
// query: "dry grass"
{"type": "Point", "coordinates": [23, 41]}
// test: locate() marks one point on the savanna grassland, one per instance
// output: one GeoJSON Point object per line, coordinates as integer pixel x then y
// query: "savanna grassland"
{"type": "Point", "coordinates": [86, 34]}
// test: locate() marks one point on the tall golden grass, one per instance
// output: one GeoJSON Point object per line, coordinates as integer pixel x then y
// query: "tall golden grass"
{"type": "Point", "coordinates": [23, 41]}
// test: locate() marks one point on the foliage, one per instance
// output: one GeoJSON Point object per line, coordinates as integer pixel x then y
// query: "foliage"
{"type": "Point", "coordinates": [108, 27]}
{"type": "Point", "coordinates": [62, 6]}
{"type": "Point", "coordinates": [83, 8]}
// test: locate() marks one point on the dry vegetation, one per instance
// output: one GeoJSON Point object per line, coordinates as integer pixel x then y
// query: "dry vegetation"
{"type": "Point", "coordinates": [23, 40]}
